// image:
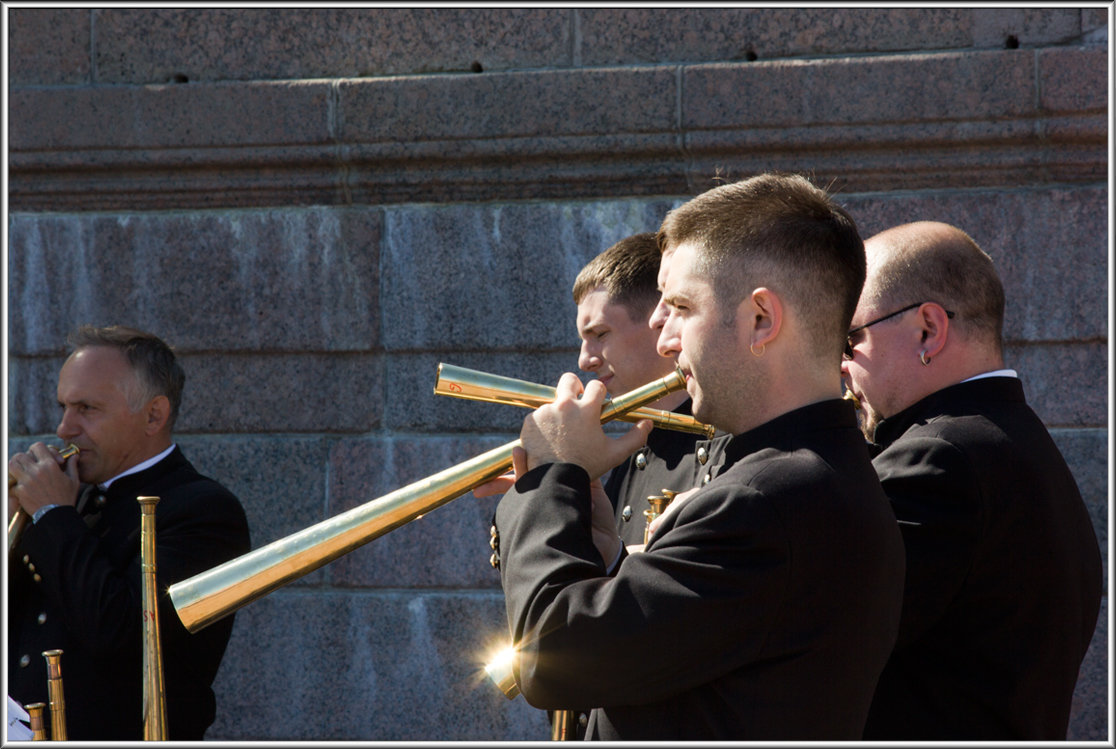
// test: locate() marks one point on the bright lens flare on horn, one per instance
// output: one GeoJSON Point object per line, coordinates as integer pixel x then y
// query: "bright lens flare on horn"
{"type": "Point", "coordinates": [499, 670]}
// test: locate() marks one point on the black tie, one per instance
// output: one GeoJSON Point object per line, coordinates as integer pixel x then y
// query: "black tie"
{"type": "Point", "coordinates": [90, 504]}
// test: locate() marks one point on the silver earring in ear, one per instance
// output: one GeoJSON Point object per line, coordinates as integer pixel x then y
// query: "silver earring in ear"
{"type": "Point", "coordinates": [922, 357]}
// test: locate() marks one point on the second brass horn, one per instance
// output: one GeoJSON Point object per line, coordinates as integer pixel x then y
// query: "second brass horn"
{"type": "Point", "coordinates": [471, 384]}
{"type": "Point", "coordinates": [218, 592]}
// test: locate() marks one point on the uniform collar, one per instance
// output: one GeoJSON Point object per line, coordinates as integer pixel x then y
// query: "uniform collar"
{"type": "Point", "coordinates": [963, 398]}
{"type": "Point", "coordinates": [137, 468]}
{"type": "Point", "coordinates": [788, 430]}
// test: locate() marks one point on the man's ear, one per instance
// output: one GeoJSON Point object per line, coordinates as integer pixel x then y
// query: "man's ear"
{"type": "Point", "coordinates": [766, 310]}
{"type": "Point", "coordinates": [158, 414]}
{"type": "Point", "coordinates": [934, 321]}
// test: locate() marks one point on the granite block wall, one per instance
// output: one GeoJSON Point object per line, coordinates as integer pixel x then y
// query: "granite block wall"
{"type": "Point", "coordinates": [318, 206]}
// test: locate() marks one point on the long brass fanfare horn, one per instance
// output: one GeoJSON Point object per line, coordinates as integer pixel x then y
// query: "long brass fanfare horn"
{"type": "Point", "coordinates": [471, 384]}
{"type": "Point", "coordinates": [218, 592]}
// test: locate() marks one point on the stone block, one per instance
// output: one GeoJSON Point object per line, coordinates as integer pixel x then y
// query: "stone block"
{"type": "Point", "coordinates": [447, 547]}
{"type": "Point", "coordinates": [596, 102]}
{"type": "Point", "coordinates": [154, 45]}
{"type": "Point", "coordinates": [289, 279]}
{"type": "Point", "coordinates": [308, 392]}
{"type": "Point", "coordinates": [48, 46]}
{"type": "Point", "coordinates": [401, 665]}
{"type": "Point", "coordinates": [1094, 20]}
{"type": "Point", "coordinates": [296, 392]}
{"type": "Point", "coordinates": [169, 116]}
{"type": "Point", "coordinates": [1043, 242]}
{"type": "Point", "coordinates": [32, 395]}
{"type": "Point", "coordinates": [280, 481]}
{"type": "Point", "coordinates": [495, 277]}
{"type": "Point", "coordinates": [1089, 716]}
{"type": "Point", "coordinates": [612, 36]}
{"type": "Point", "coordinates": [1028, 27]}
{"type": "Point", "coordinates": [1064, 382]}
{"type": "Point", "coordinates": [846, 90]}
{"type": "Point", "coordinates": [1073, 79]}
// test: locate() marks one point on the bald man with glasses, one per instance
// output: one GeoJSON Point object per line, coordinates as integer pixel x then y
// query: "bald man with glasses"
{"type": "Point", "coordinates": [1004, 577]}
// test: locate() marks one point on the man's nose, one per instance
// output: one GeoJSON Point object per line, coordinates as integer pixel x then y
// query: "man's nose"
{"type": "Point", "coordinates": [588, 360]}
{"type": "Point", "coordinates": [658, 316]}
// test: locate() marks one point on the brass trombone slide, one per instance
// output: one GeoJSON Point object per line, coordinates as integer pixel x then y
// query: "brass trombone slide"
{"type": "Point", "coordinates": [20, 518]}
{"type": "Point", "coordinates": [472, 384]}
{"type": "Point", "coordinates": [221, 590]}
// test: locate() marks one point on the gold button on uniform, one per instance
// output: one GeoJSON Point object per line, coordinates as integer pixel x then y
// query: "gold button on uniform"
{"type": "Point", "coordinates": [26, 559]}
{"type": "Point", "coordinates": [627, 514]}
{"type": "Point", "coordinates": [641, 461]}
{"type": "Point", "coordinates": [706, 479]}
{"type": "Point", "coordinates": [24, 661]}
{"type": "Point", "coordinates": [702, 455]}
{"type": "Point", "coordinates": [42, 618]}
{"type": "Point", "coordinates": [37, 578]}
{"type": "Point", "coordinates": [31, 567]}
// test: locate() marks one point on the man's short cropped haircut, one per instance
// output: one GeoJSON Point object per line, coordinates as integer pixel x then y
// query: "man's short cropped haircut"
{"type": "Point", "coordinates": [628, 271]}
{"type": "Point", "coordinates": [926, 264]}
{"type": "Point", "coordinates": [782, 232]}
{"type": "Point", "coordinates": [151, 359]}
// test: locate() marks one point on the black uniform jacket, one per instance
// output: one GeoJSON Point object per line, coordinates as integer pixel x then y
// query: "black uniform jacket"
{"type": "Point", "coordinates": [1003, 570]}
{"type": "Point", "coordinates": [77, 587]}
{"type": "Point", "coordinates": [670, 460]}
{"type": "Point", "coordinates": [764, 608]}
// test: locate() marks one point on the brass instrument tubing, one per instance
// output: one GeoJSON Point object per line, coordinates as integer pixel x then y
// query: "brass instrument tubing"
{"type": "Point", "coordinates": [221, 590]}
{"type": "Point", "coordinates": [562, 724]}
{"type": "Point", "coordinates": [20, 518]}
{"type": "Point", "coordinates": [851, 396]}
{"type": "Point", "coordinates": [472, 384]}
{"type": "Point", "coordinates": [658, 503]}
{"type": "Point", "coordinates": [37, 719]}
{"type": "Point", "coordinates": [57, 698]}
{"type": "Point", "coordinates": [154, 692]}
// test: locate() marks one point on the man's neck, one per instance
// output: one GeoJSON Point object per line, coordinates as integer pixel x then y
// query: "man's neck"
{"type": "Point", "coordinates": [141, 465]}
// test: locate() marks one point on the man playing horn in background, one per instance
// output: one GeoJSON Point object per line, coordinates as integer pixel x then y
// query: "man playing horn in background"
{"type": "Point", "coordinates": [75, 580]}
{"type": "Point", "coordinates": [765, 605]}
{"type": "Point", "coordinates": [1003, 569]}
{"type": "Point", "coordinates": [615, 294]}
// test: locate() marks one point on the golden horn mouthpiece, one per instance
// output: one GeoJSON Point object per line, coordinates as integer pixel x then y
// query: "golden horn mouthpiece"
{"type": "Point", "coordinates": [850, 396]}
{"type": "Point", "coordinates": [471, 384]}
{"type": "Point", "coordinates": [221, 590]}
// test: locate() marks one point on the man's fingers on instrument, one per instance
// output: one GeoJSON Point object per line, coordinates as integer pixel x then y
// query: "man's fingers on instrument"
{"type": "Point", "coordinates": [569, 386]}
{"type": "Point", "coordinates": [519, 462]}
{"type": "Point", "coordinates": [498, 485]}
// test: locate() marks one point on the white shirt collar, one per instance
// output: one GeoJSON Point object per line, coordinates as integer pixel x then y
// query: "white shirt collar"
{"type": "Point", "coordinates": [139, 467]}
{"type": "Point", "coordinates": [995, 373]}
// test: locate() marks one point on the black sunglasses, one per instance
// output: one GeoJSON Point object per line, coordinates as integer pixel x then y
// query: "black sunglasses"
{"type": "Point", "coordinates": [848, 336]}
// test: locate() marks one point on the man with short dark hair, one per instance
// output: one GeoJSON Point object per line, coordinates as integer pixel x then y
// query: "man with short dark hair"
{"type": "Point", "coordinates": [1004, 574]}
{"type": "Point", "coordinates": [765, 604]}
{"type": "Point", "coordinates": [615, 294]}
{"type": "Point", "coordinates": [75, 581]}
